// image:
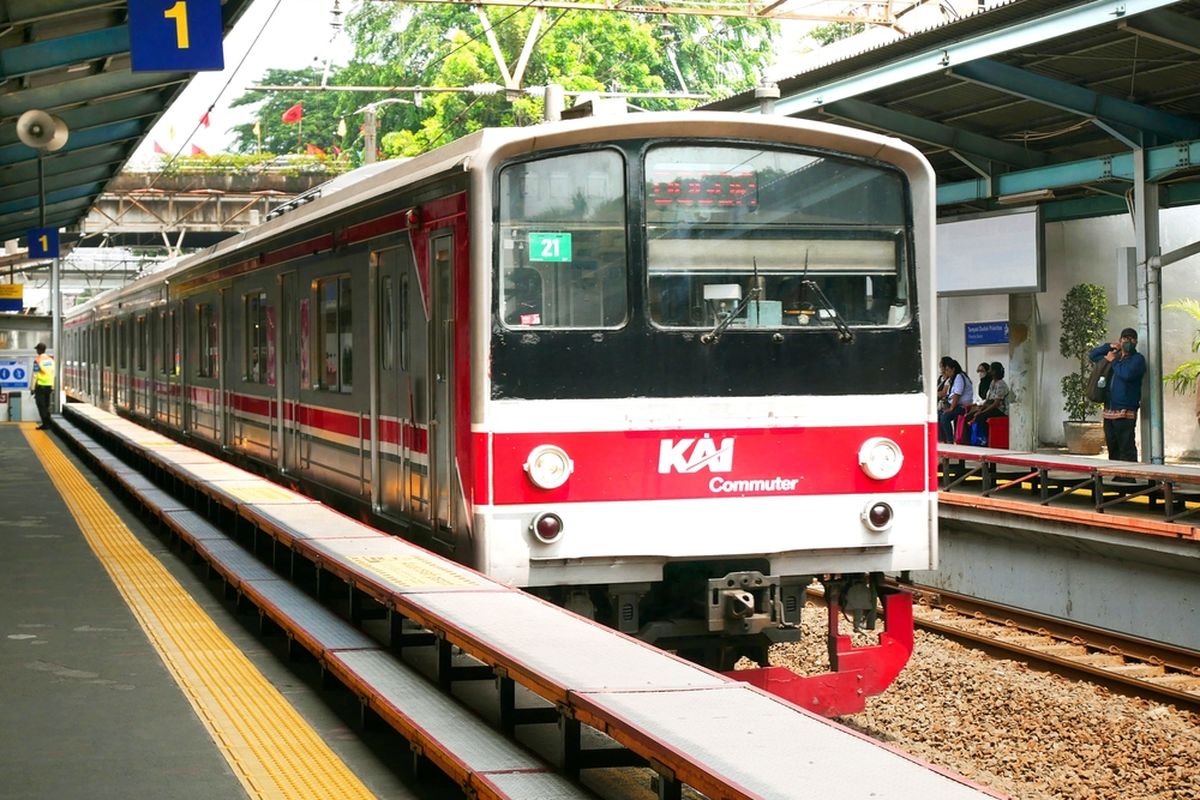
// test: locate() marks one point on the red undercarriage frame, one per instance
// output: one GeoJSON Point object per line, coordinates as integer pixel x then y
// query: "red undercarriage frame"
{"type": "Point", "coordinates": [858, 672]}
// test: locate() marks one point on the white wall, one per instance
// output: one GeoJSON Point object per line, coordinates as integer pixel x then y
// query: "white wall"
{"type": "Point", "coordinates": [1085, 251]}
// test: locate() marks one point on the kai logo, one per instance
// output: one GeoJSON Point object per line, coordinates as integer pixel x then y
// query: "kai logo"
{"type": "Point", "coordinates": [692, 455]}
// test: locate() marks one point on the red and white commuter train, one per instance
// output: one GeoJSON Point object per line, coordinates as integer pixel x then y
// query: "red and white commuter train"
{"type": "Point", "coordinates": [664, 368]}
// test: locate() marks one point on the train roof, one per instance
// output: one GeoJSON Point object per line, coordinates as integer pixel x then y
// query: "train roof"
{"type": "Point", "coordinates": [379, 179]}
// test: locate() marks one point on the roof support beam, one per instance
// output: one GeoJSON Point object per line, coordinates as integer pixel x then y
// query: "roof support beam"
{"type": "Point", "coordinates": [114, 153]}
{"type": "Point", "coordinates": [984, 45]}
{"type": "Point", "coordinates": [93, 115]}
{"type": "Point", "coordinates": [80, 140]}
{"type": "Point", "coordinates": [909, 126]}
{"type": "Point", "coordinates": [63, 95]}
{"type": "Point", "coordinates": [16, 62]}
{"type": "Point", "coordinates": [1161, 163]}
{"type": "Point", "coordinates": [1077, 100]}
{"type": "Point", "coordinates": [1165, 26]}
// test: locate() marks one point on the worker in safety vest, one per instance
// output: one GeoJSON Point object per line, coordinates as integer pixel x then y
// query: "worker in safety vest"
{"type": "Point", "coordinates": [41, 382]}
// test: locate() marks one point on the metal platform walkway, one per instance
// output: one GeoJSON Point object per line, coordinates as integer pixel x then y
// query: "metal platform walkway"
{"type": "Point", "coordinates": [104, 693]}
{"type": "Point", "coordinates": [723, 738]}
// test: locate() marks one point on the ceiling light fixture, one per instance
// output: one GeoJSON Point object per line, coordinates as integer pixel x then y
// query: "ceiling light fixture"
{"type": "Point", "coordinates": [1033, 196]}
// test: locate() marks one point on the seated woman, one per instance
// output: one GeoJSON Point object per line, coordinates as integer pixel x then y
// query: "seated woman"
{"type": "Point", "coordinates": [984, 371]}
{"type": "Point", "coordinates": [996, 404]}
{"type": "Point", "coordinates": [958, 397]}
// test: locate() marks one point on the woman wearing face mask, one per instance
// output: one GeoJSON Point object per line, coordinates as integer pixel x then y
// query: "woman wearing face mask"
{"type": "Point", "coordinates": [984, 375]}
{"type": "Point", "coordinates": [1124, 394]}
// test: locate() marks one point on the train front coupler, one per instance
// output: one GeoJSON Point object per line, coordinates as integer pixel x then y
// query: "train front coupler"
{"type": "Point", "coordinates": [856, 673]}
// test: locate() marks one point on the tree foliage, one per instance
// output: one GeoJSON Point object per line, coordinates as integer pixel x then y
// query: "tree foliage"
{"type": "Point", "coordinates": [1186, 376]}
{"type": "Point", "coordinates": [835, 31]}
{"type": "Point", "coordinates": [1084, 323]}
{"type": "Point", "coordinates": [397, 46]}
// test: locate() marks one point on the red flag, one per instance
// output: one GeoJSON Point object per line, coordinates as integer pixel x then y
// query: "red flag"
{"type": "Point", "coordinates": [158, 149]}
{"type": "Point", "coordinates": [294, 114]}
{"type": "Point", "coordinates": [204, 120]}
{"type": "Point", "coordinates": [313, 150]}
{"type": "Point", "coordinates": [196, 151]}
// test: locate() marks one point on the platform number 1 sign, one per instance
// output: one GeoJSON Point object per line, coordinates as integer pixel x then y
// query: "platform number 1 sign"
{"type": "Point", "coordinates": [43, 242]}
{"type": "Point", "coordinates": [175, 35]}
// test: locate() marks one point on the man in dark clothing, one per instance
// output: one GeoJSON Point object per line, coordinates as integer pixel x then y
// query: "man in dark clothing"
{"type": "Point", "coordinates": [1124, 393]}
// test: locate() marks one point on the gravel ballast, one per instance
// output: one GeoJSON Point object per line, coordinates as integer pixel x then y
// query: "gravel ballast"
{"type": "Point", "coordinates": [1019, 731]}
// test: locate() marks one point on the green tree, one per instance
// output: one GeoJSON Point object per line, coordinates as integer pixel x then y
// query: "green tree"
{"type": "Point", "coordinates": [443, 45]}
{"type": "Point", "coordinates": [835, 31]}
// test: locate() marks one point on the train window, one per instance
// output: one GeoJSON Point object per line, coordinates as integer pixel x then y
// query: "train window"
{"type": "Point", "coordinates": [206, 330]}
{"type": "Point", "coordinates": [141, 342]}
{"type": "Point", "coordinates": [404, 319]}
{"type": "Point", "coordinates": [256, 339]}
{"type": "Point", "coordinates": [776, 239]}
{"type": "Point", "coordinates": [562, 242]}
{"type": "Point", "coordinates": [168, 352]}
{"type": "Point", "coordinates": [122, 344]}
{"type": "Point", "coordinates": [387, 324]}
{"type": "Point", "coordinates": [334, 336]}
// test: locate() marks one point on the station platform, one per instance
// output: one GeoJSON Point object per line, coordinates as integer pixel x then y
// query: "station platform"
{"type": "Point", "coordinates": [109, 648]}
{"type": "Point", "coordinates": [1109, 544]}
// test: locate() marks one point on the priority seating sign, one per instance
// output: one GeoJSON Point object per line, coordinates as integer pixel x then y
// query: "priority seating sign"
{"type": "Point", "coordinates": [14, 374]}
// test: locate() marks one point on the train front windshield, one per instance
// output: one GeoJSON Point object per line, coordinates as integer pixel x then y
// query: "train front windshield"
{"type": "Point", "coordinates": [650, 248]}
{"type": "Point", "coordinates": [779, 239]}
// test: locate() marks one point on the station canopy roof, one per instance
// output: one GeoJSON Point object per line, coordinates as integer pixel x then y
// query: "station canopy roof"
{"type": "Point", "coordinates": [70, 58]}
{"type": "Point", "coordinates": [1029, 101]}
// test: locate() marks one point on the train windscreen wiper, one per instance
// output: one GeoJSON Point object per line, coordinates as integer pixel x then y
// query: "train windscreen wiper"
{"type": "Point", "coordinates": [714, 336]}
{"type": "Point", "coordinates": [844, 332]}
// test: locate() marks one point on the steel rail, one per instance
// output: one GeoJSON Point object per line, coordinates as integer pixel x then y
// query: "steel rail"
{"type": "Point", "coordinates": [1153, 670]}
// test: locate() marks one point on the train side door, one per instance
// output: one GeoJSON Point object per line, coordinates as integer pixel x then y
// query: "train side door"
{"type": "Point", "coordinates": [289, 354]}
{"type": "Point", "coordinates": [394, 424]}
{"type": "Point", "coordinates": [441, 357]}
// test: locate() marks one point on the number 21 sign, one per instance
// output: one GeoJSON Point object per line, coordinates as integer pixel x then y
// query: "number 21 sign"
{"type": "Point", "coordinates": [175, 35]}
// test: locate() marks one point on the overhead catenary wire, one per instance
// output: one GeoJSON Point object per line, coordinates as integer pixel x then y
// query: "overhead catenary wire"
{"type": "Point", "coordinates": [217, 99]}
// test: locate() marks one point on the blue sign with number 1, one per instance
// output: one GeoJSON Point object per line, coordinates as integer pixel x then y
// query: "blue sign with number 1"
{"type": "Point", "coordinates": [175, 35]}
{"type": "Point", "coordinates": [43, 242]}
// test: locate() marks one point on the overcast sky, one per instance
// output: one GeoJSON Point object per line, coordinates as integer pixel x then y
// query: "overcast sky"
{"type": "Point", "coordinates": [298, 35]}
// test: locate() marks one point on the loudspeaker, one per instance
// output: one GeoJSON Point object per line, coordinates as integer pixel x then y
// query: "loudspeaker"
{"type": "Point", "coordinates": [41, 131]}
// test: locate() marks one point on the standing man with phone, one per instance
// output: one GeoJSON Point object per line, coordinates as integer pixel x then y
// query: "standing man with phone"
{"type": "Point", "coordinates": [1124, 394]}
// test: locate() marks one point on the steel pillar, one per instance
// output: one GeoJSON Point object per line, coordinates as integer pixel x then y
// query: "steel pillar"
{"type": "Point", "coordinates": [1023, 377]}
{"type": "Point", "coordinates": [1149, 248]}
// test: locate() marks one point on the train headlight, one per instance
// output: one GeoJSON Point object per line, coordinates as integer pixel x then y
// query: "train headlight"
{"type": "Point", "coordinates": [880, 458]}
{"type": "Point", "coordinates": [547, 528]}
{"type": "Point", "coordinates": [878, 516]}
{"type": "Point", "coordinates": [548, 466]}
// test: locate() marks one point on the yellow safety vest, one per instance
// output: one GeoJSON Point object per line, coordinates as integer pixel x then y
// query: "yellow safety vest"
{"type": "Point", "coordinates": [43, 370]}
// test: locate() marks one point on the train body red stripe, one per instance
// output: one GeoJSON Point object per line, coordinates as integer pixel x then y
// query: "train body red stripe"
{"type": "Point", "coordinates": [664, 465]}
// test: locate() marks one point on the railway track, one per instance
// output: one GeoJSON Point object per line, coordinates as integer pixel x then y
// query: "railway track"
{"type": "Point", "coordinates": [1152, 670]}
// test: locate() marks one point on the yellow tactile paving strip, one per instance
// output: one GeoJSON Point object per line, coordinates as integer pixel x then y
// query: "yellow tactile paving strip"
{"type": "Point", "coordinates": [274, 752]}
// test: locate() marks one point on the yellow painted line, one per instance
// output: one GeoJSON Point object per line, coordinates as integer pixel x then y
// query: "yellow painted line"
{"type": "Point", "coordinates": [273, 751]}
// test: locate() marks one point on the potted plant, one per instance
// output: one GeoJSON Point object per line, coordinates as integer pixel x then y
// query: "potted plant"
{"type": "Point", "coordinates": [1084, 325]}
{"type": "Point", "coordinates": [1185, 377]}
